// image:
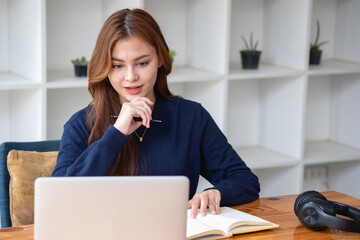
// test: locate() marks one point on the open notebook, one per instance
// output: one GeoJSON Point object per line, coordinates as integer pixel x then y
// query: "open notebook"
{"type": "Point", "coordinates": [228, 221]}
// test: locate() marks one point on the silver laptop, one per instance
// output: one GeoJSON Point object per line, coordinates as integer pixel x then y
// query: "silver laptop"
{"type": "Point", "coordinates": [104, 208]}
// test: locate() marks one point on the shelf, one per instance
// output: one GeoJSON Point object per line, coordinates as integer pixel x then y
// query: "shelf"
{"type": "Point", "coordinates": [269, 113]}
{"type": "Point", "coordinates": [279, 30]}
{"type": "Point", "coordinates": [187, 74]}
{"type": "Point", "coordinates": [65, 79]}
{"type": "Point", "coordinates": [332, 67]}
{"type": "Point", "coordinates": [9, 81]}
{"type": "Point", "coordinates": [318, 152]}
{"type": "Point", "coordinates": [264, 71]}
{"type": "Point", "coordinates": [259, 158]}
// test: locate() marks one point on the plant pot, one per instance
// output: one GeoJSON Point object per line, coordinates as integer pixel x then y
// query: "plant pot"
{"type": "Point", "coordinates": [80, 70]}
{"type": "Point", "coordinates": [315, 57]}
{"type": "Point", "coordinates": [250, 60]}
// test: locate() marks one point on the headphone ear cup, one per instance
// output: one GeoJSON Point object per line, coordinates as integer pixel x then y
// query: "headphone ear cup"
{"type": "Point", "coordinates": [310, 212]}
{"type": "Point", "coordinates": [304, 197]}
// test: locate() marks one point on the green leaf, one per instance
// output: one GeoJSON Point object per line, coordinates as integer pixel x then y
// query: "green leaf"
{"type": "Point", "coordinates": [322, 43]}
{"type": "Point", "coordinates": [317, 32]}
{"type": "Point", "coordinates": [80, 62]}
{"type": "Point", "coordinates": [252, 47]}
{"type": "Point", "coordinates": [251, 42]}
{"type": "Point", "coordinates": [172, 53]}
{"type": "Point", "coordinates": [246, 44]}
{"type": "Point", "coordinates": [316, 45]}
{"type": "Point", "coordinates": [256, 44]}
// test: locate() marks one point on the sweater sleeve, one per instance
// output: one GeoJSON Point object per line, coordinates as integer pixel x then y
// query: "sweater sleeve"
{"type": "Point", "coordinates": [224, 168]}
{"type": "Point", "coordinates": [75, 158]}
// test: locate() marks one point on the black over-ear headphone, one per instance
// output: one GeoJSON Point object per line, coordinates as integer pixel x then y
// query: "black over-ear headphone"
{"type": "Point", "coordinates": [316, 213]}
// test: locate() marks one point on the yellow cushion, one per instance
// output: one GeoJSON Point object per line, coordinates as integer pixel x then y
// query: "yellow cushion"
{"type": "Point", "coordinates": [24, 167]}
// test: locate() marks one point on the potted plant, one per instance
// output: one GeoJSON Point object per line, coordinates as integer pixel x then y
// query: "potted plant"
{"type": "Point", "coordinates": [80, 66]}
{"type": "Point", "coordinates": [315, 52]}
{"type": "Point", "coordinates": [250, 56]}
{"type": "Point", "coordinates": [172, 54]}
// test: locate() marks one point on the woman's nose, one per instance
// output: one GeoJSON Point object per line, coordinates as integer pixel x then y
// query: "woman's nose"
{"type": "Point", "coordinates": [131, 74]}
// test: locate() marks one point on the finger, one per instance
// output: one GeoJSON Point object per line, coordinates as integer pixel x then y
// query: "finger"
{"type": "Point", "coordinates": [194, 207]}
{"type": "Point", "coordinates": [146, 110]}
{"type": "Point", "coordinates": [214, 201]}
{"type": "Point", "coordinates": [148, 101]}
{"type": "Point", "coordinates": [144, 116]}
{"type": "Point", "coordinates": [204, 203]}
{"type": "Point", "coordinates": [217, 201]}
{"type": "Point", "coordinates": [212, 204]}
{"type": "Point", "coordinates": [143, 99]}
{"type": "Point", "coordinates": [144, 105]}
{"type": "Point", "coordinates": [140, 111]}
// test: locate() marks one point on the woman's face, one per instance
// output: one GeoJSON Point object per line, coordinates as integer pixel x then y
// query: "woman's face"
{"type": "Point", "coordinates": [134, 69]}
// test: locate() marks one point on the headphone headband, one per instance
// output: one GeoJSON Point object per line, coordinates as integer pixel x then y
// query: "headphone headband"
{"type": "Point", "coordinates": [346, 210]}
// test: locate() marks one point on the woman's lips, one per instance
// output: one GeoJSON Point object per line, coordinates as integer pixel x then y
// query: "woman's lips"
{"type": "Point", "coordinates": [133, 90]}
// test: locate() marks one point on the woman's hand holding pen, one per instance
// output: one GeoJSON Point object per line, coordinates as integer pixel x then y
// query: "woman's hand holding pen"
{"type": "Point", "coordinates": [138, 107]}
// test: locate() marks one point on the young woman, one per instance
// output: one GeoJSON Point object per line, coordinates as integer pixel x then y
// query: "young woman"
{"type": "Point", "coordinates": [128, 80]}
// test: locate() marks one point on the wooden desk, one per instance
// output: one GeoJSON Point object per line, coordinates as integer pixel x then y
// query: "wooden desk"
{"type": "Point", "coordinates": [278, 210]}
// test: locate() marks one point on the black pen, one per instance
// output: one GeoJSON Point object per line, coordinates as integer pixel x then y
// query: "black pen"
{"type": "Point", "coordinates": [138, 119]}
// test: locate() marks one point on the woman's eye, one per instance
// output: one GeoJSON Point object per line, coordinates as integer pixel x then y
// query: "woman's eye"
{"type": "Point", "coordinates": [117, 66]}
{"type": "Point", "coordinates": [143, 64]}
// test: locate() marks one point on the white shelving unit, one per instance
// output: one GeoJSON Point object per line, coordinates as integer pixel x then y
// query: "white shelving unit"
{"type": "Point", "coordinates": [283, 119]}
{"type": "Point", "coordinates": [332, 116]}
{"type": "Point", "coordinates": [21, 56]}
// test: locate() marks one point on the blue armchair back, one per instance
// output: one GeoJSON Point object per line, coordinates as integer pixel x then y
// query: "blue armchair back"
{"type": "Point", "coordinates": [5, 148]}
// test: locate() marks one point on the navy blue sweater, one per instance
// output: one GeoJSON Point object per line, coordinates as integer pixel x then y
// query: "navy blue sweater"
{"type": "Point", "coordinates": [187, 142]}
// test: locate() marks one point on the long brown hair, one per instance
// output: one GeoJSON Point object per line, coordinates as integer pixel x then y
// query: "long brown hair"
{"type": "Point", "coordinates": [106, 102]}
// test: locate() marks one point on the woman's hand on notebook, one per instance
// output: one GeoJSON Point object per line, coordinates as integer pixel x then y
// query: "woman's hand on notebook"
{"type": "Point", "coordinates": [203, 200]}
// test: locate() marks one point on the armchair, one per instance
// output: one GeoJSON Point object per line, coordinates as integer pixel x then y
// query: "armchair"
{"type": "Point", "coordinates": [40, 146]}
